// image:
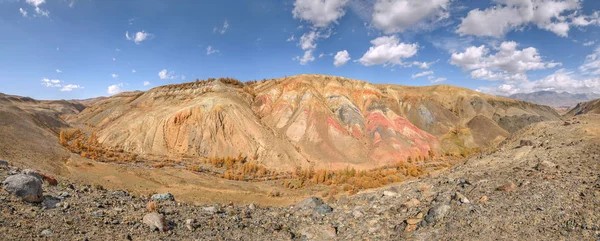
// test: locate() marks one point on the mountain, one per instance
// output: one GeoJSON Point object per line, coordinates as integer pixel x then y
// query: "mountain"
{"type": "Point", "coordinates": [29, 130]}
{"type": "Point", "coordinates": [555, 99]}
{"type": "Point", "coordinates": [306, 120]}
{"type": "Point", "coordinates": [590, 107]}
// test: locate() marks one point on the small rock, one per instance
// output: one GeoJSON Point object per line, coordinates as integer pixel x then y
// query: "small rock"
{"type": "Point", "coordinates": [64, 195]}
{"type": "Point", "coordinates": [98, 213]}
{"type": "Point", "coordinates": [115, 221]}
{"type": "Point", "coordinates": [509, 187]}
{"type": "Point", "coordinates": [437, 213]}
{"type": "Point", "coordinates": [163, 197]}
{"type": "Point", "coordinates": [461, 198]}
{"type": "Point", "coordinates": [252, 206]}
{"type": "Point", "coordinates": [63, 205]}
{"type": "Point", "coordinates": [155, 221]}
{"type": "Point", "coordinates": [190, 224]}
{"type": "Point", "coordinates": [26, 187]}
{"type": "Point", "coordinates": [410, 228]}
{"type": "Point", "coordinates": [357, 214]}
{"type": "Point", "coordinates": [319, 232]}
{"type": "Point", "coordinates": [3, 163]}
{"type": "Point", "coordinates": [413, 221]}
{"type": "Point", "coordinates": [483, 199]}
{"type": "Point", "coordinates": [526, 143]}
{"type": "Point", "coordinates": [46, 233]}
{"type": "Point", "coordinates": [540, 209]}
{"type": "Point", "coordinates": [412, 203]}
{"type": "Point", "coordinates": [390, 194]}
{"type": "Point", "coordinates": [210, 209]}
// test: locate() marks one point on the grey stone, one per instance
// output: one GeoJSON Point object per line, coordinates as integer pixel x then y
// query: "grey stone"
{"type": "Point", "coordinates": [437, 213]}
{"type": "Point", "coordinates": [46, 233]}
{"type": "Point", "coordinates": [323, 209]}
{"type": "Point", "coordinates": [210, 209]}
{"type": "Point", "coordinates": [26, 187]}
{"type": "Point", "coordinates": [3, 163]}
{"type": "Point", "coordinates": [310, 203]}
{"type": "Point", "coordinates": [34, 173]}
{"type": "Point", "coordinates": [163, 197]}
{"type": "Point", "coordinates": [50, 202]}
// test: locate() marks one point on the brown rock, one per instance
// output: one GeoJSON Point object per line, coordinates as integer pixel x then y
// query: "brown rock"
{"type": "Point", "coordinates": [483, 199]}
{"type": "Point", "coordinates": [413, 221]}
{"type": "Point", "coordinates": [155, 221]}
{"type": "Point", "coordinates": [410, 228]}
{"type": "Point", "coordinates": [412, 203]}
{"type": "Point", "coordinates": [509, 187]}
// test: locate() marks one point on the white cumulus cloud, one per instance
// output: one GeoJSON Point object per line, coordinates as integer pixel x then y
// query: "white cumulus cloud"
{"type": "Point", "coordinates": [510, 15]}
{"type": "Point", "coordinates": [319, 13]}
{"type": "Point", "coordinates": [561, 80]}
{"type": "Point", "coordinates": [308, 43]}
{"type": "Point", "coordinates": [146, 83]}
{"type": "Point", "coordinates": [51, 82]}
{"type": "Point", "coordinates": [508, 63]}
{"type": "Point", "coordinates": [58, 71]}
{"type": "Point", "coordinates": [138, 37]}
{"type": "Point", "coordinates": [115, 89]}
{"type": "Point", "coordinates": [36, 4]}
{"type": "Point", "coordinates": [165, 74]}
{"type": "Point", "coordinates": [388, 50]}
{"type": "Point", "coordinates": [393, 16]}
{"type": "Point", "coordinates": [114, 76]}
{"type": "Point", "coordinates": [341, 58]}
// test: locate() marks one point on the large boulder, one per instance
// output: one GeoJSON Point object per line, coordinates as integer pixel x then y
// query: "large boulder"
{"type": "Point", "coordinates": [26, 187]}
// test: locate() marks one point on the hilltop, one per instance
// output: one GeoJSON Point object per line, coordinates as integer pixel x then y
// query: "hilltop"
{"type": "Point", "coordinates": [306, 120]}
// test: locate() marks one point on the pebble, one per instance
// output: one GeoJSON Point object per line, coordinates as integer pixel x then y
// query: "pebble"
{"type": "Point", "coordinates": [190, 224]}
{"type": "Point", "coordinates": [390, 194]}
{"type": "Point", "coordinates": [461, 198]}
{"type": "Point", "coordinates": [509, 187]}
{"type": "Point", "coordinates": [46, 233]}
{"type": "Point", "coordinates": [412, 203]}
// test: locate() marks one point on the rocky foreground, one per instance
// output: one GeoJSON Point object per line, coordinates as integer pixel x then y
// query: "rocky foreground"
{"type": "Point", "coordinates": [541, 184]}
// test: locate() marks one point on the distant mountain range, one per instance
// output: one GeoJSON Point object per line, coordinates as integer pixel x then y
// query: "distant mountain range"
{"type": "Point", "coordinates": [555, 99]}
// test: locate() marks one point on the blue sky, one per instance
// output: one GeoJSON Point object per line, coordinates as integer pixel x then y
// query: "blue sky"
{"type": "Point", "coordinates": [68, 49]}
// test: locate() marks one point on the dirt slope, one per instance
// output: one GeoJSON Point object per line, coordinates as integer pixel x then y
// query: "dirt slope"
{"type": "Point", "coordinates": [306, 120]}
{"type": "Point", "coordinates": [591, 107]}
{"type": "Point", "coordinates": [29, 131]}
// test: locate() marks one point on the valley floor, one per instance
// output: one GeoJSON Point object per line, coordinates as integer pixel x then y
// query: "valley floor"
{"type": "Point", "coordinates": [541, 184]}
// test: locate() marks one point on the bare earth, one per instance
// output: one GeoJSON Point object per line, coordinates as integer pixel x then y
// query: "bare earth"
{"type": "Point", "coordinates": [547, 191]}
